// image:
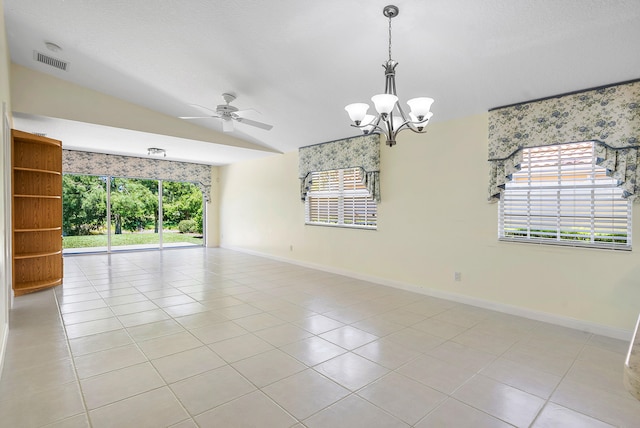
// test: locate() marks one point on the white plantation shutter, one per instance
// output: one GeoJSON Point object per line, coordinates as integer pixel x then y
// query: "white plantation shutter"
{"type": "Point", "coordinates": [339, 198]}
{"type": "Point", "coordinates": [561, 196]}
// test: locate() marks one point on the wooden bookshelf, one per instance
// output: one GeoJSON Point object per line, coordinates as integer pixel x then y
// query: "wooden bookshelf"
{"type": "Point", "coordinates": [36, 189]}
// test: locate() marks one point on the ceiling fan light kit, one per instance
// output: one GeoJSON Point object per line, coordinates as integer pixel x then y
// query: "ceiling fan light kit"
{"type": "Point", "coordinates": [155, 151]}
{"type": "Point", "coordinates": [229, 114]}
{"type": "Point", "coordinates": [391, 118]}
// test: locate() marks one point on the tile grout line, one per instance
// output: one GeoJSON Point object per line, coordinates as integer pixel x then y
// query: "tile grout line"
{"type": "Point", "coordinates": [71, 357]}
{"type": "Point", "coordinates": [548, 400]}
{"type": "Point", "coordinates": [478, 372]}
{"type": "Point", "coordinates": [137, 347]}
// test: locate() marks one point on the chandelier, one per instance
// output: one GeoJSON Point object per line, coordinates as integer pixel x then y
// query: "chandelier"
{"type": "Point", "coordinates": [391, 118]}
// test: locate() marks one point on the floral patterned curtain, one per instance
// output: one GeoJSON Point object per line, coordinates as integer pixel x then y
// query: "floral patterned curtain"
{"type": "Point", "coordinates": [76, 162]}
{"type": "Point", "coordinates": [362, 151]}
{"type": "Point", "coordinates": [608, 116]}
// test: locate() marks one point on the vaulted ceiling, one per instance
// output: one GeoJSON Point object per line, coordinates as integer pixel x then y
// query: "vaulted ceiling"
{"type": "Point", "coordinates": [297, 63]}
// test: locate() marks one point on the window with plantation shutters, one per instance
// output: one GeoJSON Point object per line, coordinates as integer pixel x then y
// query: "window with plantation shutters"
{"type": "Point", "coordinates": [560, 196]}
{"type": "Point", "coordinates": [340, 198]}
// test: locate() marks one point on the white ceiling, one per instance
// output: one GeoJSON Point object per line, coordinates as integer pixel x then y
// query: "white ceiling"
{"type": "Point", "coordinates": [300, 62]}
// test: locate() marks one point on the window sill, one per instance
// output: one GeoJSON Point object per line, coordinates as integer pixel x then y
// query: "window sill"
{"type": "Point", "coordinates": [342, 226]}
{"type": "Point", "coordinates": [566, 244]}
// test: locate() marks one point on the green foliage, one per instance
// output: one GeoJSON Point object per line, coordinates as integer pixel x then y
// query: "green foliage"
{"type": "Point", "coordinates": [134, 204]}
{"type": "Point", "coordinates": [181, 201]}
{"type": "Point", "coordinates": [567, 235]}
{"type": "Point", "coordinates": [187, 226]}
{"type": "Point", "coordinates": [84, 204]}
{"type": "Point", "coordinates": [199, 221]}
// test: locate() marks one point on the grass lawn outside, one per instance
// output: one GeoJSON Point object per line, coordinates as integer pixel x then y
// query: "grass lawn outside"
{"type": "Point", "coordinates": [129, 239]}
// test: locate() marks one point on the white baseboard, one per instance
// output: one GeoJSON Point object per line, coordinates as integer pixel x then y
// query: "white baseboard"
{"type": "Point", "coordinates": [587, 326]}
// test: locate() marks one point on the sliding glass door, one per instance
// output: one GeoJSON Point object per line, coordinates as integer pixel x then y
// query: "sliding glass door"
{"type": "Point", "coordinates": [142, 214]}
{"type": "Point", "coordinates": [134, 214]}
{"type": "Point", "coordinates": [182, 214]}
{"type": "Point", "coordinates": [84, 213]}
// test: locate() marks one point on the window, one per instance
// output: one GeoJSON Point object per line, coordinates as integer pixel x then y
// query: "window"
{"type": "Point", "coordinates": [560, 196]}
{"type": "Point", "coordinates": [340, 198]}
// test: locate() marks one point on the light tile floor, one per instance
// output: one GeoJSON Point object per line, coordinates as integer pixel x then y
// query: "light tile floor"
{"type": "Point", "coordinates": [216, 338]}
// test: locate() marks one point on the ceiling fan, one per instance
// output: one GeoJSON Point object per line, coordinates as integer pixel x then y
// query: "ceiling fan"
{"type": "Point", "coordinates": [228, 114]}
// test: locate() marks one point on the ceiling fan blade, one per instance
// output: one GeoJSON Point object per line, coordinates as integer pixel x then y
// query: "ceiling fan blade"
{"type": "Point", "coordinates": [197, 117]}
{"type": "Point", "coordinates": [203, 108]}
{"type": "Point", "coordinates": [227, 126]}
{"type": "Point", "coordinates": [246, 110]}
{"type": "Point", "coordinates": [254, 123]}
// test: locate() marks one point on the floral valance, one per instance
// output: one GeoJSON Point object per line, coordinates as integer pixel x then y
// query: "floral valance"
{"type": "Point", "coordinates": [356, 152]}
{"type": "Point", "coordinates": [76, 162]}
{"type": "Point", "coordinates": [609, 116]}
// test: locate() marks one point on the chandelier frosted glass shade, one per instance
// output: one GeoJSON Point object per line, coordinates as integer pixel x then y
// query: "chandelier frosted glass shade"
{"type": "Point", "coordinates": [420, 107]}
{"type": "Point", "coordinates": [384, 103]}
{"type": "Point", "coordinates": [391, 117]}
{"type": "Point", "coordinates": [357, 112]}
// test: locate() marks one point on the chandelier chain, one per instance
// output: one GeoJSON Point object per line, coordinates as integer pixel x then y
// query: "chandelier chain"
{"type": "Point", "coordinates": [389, 37]}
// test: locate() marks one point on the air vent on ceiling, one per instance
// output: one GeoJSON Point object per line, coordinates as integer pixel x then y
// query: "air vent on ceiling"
{"type": "Point", "coordinates": [53, 62]}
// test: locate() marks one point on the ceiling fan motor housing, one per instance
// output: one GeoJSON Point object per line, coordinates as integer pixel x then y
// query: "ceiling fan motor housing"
{"type": "Point", "coordinates": [225, 110]}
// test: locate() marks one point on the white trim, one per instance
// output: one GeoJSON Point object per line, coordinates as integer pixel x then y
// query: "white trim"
{"type": "Point", "coordinates": [8, 212]}
{"type": "Point", "coordinates": [3, 346]}
{"type": "Point", "coordinates": [632, 343]}
{"type": "Point", "coordinates": [582, 325]}
{"type": "Point", "coordinates": [5, 193]}
{"type": "Point", "coordinates": [159, 214]}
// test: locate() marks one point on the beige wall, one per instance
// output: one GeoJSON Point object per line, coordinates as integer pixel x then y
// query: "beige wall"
{"type": "Point", "coordinates": [434, 220]}
{"type": "Point", "coordinates": [212, 220]}
{"type": "Point", "coordinates": [5, 189]}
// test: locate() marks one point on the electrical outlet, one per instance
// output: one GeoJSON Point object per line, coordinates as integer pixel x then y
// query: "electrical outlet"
{"type": "Point", "coordinates": [290, 247]}
{"type": "Point", "coordinates": [457, 276]}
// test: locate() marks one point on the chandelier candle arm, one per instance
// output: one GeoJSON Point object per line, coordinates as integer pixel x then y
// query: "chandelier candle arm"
{"type": "Point", "coordinates": [368, 123]}
{"type": "Point", "coordinates": [386, 121]}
